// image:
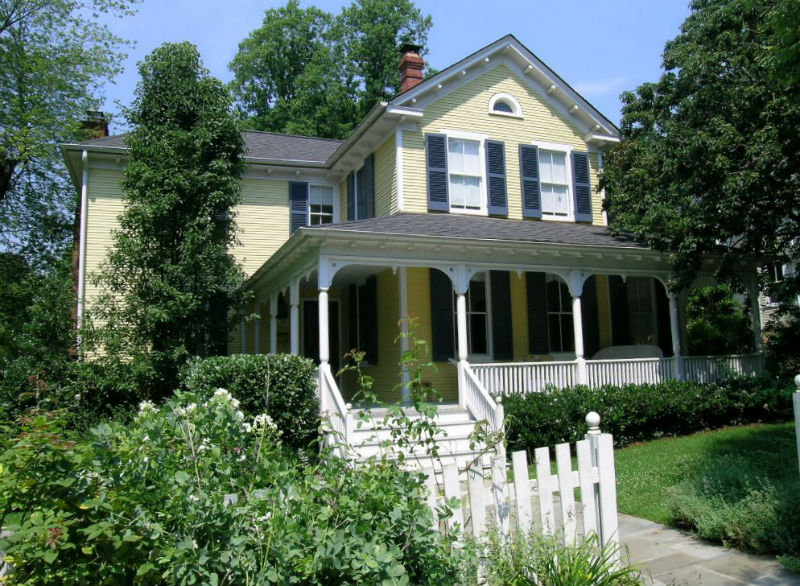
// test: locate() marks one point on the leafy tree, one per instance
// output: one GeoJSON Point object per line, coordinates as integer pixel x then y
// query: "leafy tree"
{"type": "Point", "coordinates": [307, 72]}
{"type": "Point", "coordinates": [717, 322]}
{"type": "Point", "coordinates": [53, 56]}
{"type": "Point", "coordinates": [170, 277]}
{"type": "Point", "coordinates": [374, 30]}
{"type": "Point", "coordinates": [709, 154]}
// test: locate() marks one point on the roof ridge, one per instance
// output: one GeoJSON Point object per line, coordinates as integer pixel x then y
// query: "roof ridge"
{"type": "Point", "coordinates": [291, 135]}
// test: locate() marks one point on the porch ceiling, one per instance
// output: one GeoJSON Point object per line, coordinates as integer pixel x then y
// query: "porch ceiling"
{"type": "Point", "coordinates": [447, 240]}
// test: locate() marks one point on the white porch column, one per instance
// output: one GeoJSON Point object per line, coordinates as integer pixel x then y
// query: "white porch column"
{"type": "Point", "coordinates": [575, 284]}
{"type": "Point", "coordinates": [755, 313]}
{"type": "Point", "coordinates": [294, 316]}
{"type": "Point", "coordinates": [257, 329]}
{"type": "Point", "coordinates": [273, 323]}
{"type": "Point", "coordinates": [461, 322]}
{"type": "Point", "coordinates": [324, 347]}
{"type": "Point", "coordinates": [674, 327]}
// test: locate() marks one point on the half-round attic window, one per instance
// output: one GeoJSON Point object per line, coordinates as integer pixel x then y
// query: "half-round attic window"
{"type": "Point", "coordinates": [505, 105]}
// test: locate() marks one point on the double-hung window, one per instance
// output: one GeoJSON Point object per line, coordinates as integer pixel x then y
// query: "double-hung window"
{"type": "Point", "coordinates": [465, 167]}
{"type": "Point", "coordinates": [554, 181]}
{"type": "Point", "coordinates": [559, 316]}
{"type": "Point", "coordinates": [320, 210]}
{"type": "Point", "coordinates": [478, 326]}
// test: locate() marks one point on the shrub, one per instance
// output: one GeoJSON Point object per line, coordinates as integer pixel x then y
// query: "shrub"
{"type": "Point", "coordinates": [531, 559]}
{"type": "Point", "coordinates": [192, 492]}
{"type": "Point", "coordinates": [282, 385]}
{"type": "Point", "coordinates": [642, 412]}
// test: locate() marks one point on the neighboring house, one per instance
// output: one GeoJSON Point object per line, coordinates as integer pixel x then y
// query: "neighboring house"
{"type": "Point", "coordinates": [470, 201]}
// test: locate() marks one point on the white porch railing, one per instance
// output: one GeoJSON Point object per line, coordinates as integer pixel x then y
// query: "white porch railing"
{"type": "Point", "coordinates": [535, 377]}
{"type": "Point", "coordinates": [334, 411]}
{"type": "Point", "coordinates": [705, 369]}
{"type": "Point", "coordinates": [474, 398]}
{"type": "Point", "coordinates": [525, 377]}
{"type": "Point", "coordinates": [631, 371]}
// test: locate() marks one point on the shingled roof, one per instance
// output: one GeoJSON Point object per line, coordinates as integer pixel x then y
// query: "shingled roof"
{"type": "Point", "coordinates": [260, 145]}
{"type": "Point", "coordinates": [483, 228]}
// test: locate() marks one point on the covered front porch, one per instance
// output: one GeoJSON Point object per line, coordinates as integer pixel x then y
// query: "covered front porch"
{"type": "Point", "coordinates": [514, 311]}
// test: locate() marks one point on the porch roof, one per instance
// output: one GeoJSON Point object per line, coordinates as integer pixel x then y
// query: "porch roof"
{"type": "Point", "coordinates": [461, 226]}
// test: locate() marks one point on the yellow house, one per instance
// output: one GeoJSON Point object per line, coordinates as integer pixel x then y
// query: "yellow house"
{"type": "Point", "coordinates": [470, 201]}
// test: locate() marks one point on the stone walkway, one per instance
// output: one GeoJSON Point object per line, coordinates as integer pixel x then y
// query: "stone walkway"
{"type": "Point", "coordinates": [674, 558]}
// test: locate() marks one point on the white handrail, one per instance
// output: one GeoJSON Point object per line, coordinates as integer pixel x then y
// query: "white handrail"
{"type": "Point", "coordinates": [333, 409]}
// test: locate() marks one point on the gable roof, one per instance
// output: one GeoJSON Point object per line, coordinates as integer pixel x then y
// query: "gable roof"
{"type": "Point", "coordinates": [536, 72]}
{"type": "Point", "coordinates": [266, 146]}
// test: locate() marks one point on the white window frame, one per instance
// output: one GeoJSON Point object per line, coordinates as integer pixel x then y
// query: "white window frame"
{"type": "Point", "coordinates": [516, 108]}
{"type": "Point", "coordinates": [472, 357]}
{"type": "Point", "coordinates": [481, 140]}
{"type": "Point", "coordinates": [335, 201]}
{"type": "Point", "coordinates": [567, 150]}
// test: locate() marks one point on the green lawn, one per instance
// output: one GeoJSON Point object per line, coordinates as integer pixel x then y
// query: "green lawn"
{"type": "Point", "coordinates": [739, 486]}
{"type": "Point", "coordinates": [647, 471]}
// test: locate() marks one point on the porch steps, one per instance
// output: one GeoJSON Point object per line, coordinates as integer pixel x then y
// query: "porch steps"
{"type": "Point", "coordinates": [375, 437]}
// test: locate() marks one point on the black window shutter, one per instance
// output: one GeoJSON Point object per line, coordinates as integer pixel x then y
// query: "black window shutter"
{"type": "Point", "coordinates": [663, 326]}
{"type": "Point", "coordinates": [620, 324]}
{"type": "Point", "coordinates": [529, 173]}
{"type": "Point", "coordinates": [589, 317]}
{"type": "Point", "coordinates": [502, 335]}
{"type": "Point", "coordinates": [496, 171]}
{"type": "Point", "coordinates": [436, 157]}
{"type": "Point", "coordinates": [298, 205]}
{"type": "Point", "coordinates": [538, 338]}
{"type": "Point", "coordinates": [368, 319]}
{"type": "Point", "coordinates": [581, 187]}
{"type": "Point", "coordinates": [369, 187]}
{"type": "Point", "coordinates": [361, 202]}
{"type": "Point", "coordinates": [352, 318]}
{"type": "Point", "coordinates": [443, 337]}
{"type": "Point", "coordinates": [351, 196]}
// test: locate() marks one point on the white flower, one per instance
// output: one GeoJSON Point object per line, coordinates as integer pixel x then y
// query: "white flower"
{"type": "Point", "coordinates": [264, 421]}
{"type": "Point", "coordinates": [146, 438]}
{"type": "Point", "coordinates": [146, 406]}
{"type": "Point", "coordinates": [222, 393]}
{"type": "Point", "coordinates": [247, 427]}
{"type": "Point", "coordinates": [194, 498]}
{"type": "Point", "coordinates": [191, 407]}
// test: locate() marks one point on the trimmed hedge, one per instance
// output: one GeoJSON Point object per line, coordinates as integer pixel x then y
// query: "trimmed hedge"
{"type": "Point", "coordinates": [282, 385]}
{"type": "Point", "coordinates": [642, 412]}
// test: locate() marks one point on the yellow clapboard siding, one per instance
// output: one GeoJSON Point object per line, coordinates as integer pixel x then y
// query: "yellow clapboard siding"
{"type": "Point", "coordinates": [519, 315]}
{"type": "Point", "coordinates": [104, 207]}
{"type": "Point", "coordinates": [385, 178]}
{"type": "Point", "coordinates": [466, 109]}
{"type": "Point", "coordinates": [262, 220]}
{"type": "Point", "coordinates": [419, 305]}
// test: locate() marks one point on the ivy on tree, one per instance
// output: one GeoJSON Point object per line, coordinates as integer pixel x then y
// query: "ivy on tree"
{"type": "Point", "coordinates": [170, 278]}
{"type": "Point", "coordinates": [709, 154]}
{"type": "Point", "coordinates": [305, 71]}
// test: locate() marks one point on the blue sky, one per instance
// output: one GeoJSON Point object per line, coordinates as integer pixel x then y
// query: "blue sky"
{"type": "Point", "coordinates": [601, 48]}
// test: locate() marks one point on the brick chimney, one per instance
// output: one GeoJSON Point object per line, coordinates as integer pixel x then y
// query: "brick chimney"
{"type": "Point", "coordinates": [95, 125]}
{"type": "Point", "coordinates": [411, 66]}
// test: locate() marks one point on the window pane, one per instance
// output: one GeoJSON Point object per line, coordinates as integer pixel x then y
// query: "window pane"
{"type": "Point", "coordinates": [321, 195]}
{"type": "Point", "coordinates": [554, 329]}
{"type": "Point", "coordinates": [566, 298]}
{"type": "Point", "coordinates": [554, 199]}
{"type": "Point", "coordinates": [501, 106]}
{"type": "Point", "coordinates": [553, 297]}
{"type": "Point", "coordinates": [477, 296]}
{"type": "Point", "coordinates": [477, 330]}
{"type": "Point", "coordinates": [567, 333]}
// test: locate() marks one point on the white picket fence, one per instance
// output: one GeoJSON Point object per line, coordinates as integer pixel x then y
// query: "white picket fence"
{"type": "Point", "coordinates": [546, 503]}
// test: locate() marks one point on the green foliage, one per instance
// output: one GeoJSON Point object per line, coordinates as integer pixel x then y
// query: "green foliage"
{"type": "Point", "coordinates": [36, 334]}
{"type": "Point", "coordinates": [305, 71]}
{"type": "Point", "coordinates": [531, 559]}
{"type": "Point", "coordinates": [192, 492]}
{"type": "Point", "coordinates": [782, 342]}
{"type": "Point", "coordinates": [281, 385]}
{"type": "Point", "coordinates": [53, 54]}
{"type": "Point", "coordinates": [705, 160]}
{"type": "Point", "coordinates": [170, 279]}
{"type": "Point", "coordinates": [717, 323]}
{"type": "Point", "coordinates": [641, 412]}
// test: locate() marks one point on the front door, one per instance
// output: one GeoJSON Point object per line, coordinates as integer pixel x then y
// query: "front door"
{"type": "Point", "coordinates": [311, 332]}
